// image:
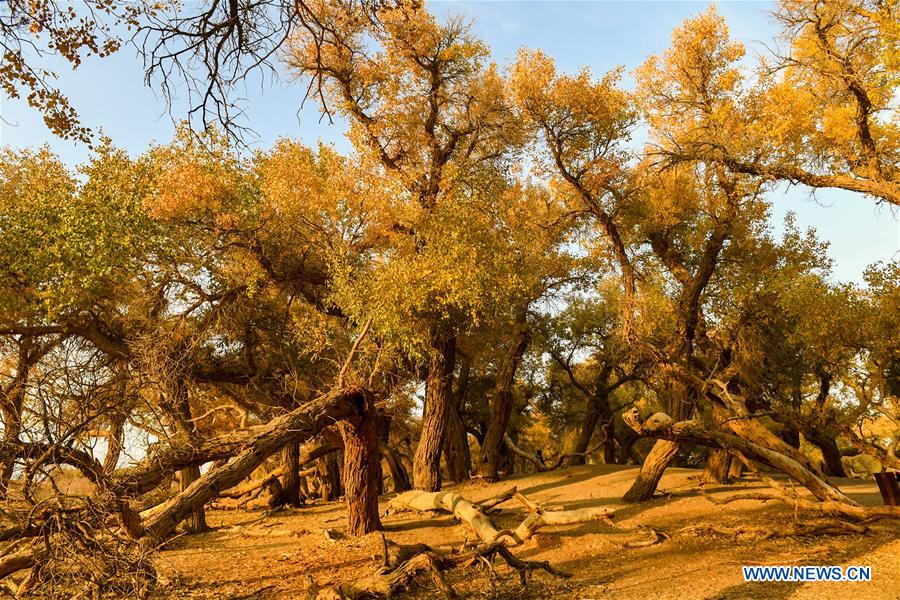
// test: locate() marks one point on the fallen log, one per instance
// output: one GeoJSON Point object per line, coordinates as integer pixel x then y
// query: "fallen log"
{"type": "Point", "coordinates": [661, 426]}
{"type": "Point", "coordinates": [481, 525]}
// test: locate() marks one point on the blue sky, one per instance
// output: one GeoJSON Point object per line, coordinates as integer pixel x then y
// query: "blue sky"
{"type": "Point", "coordinates": [602, 35]}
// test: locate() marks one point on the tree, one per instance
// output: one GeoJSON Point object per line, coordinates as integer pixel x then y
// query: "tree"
{"type": "Point", "coordinates": [426, 109]}
{"type": "Point", "coordinates": [817, 115]}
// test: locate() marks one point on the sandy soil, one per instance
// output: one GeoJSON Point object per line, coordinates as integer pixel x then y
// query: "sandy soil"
{"type": "Point", "coordinates": [285, 554]}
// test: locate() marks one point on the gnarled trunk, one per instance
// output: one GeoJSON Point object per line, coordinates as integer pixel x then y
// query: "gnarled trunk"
{"type": "Point", "coordinates": [826, 442]}
{"type": "Point", "coordinates": [490, 457]}
{"type": "Point", "coordinates": [644, 486]}
{"type": "Point", "coordinates": [362, 470]}
{"type": "Point", "coordinates": [438, 403]}
{"type": "Point", "coordinates": [662, 427]}
{"type": "Point", "coordinates": [681, 403]}
{"type": "Point", "coordinates": [718, 461]}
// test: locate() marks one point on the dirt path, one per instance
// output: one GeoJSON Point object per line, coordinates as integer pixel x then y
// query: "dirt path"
{"type": "Point", "coordinates": [286, 554]}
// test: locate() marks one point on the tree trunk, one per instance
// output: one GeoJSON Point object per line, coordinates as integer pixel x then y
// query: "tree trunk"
{"type": "Point", "coordinates": [456, 445]}
{"type": "Point", "coordinates": [399, 475]}
{"type": "Point", "coordinates": [681, 403]}
{"type": "Point", "coordinates": [290, 475]}
{"type": "Point", "coordinates": [718, 464]}
{"type": "Point", "coordinates": [609, 444]}
{"type": "Point", "coordinates": [831, 454]}
{"type": "Point", "coordinates": [661, 456]}
{"type": "Point", "coordinates": [329, 473]}
{"type": "Point", "coordinates": [114, 442]}
{"type": "Point", "coordinates": [196, 521]}
{"type": "Point", "coordinates": [12, 427]}
{"type": "Point", "coordinates": [736, 469]}
{"type": "Point", "coordinates": [718, 461]}
{"type": "Point", "coordinates": [362, 472]}
{"type": "Point", "coordinates": [502, 403]}
{"type": "Point", "coordinates": [585, 433]}
{"type": "Point", "coordinates": [11, 402]}
{"type": "Point", "coordinates": [298, 425]}
{"type": "Point", "coordinates": [438, 403]}
{"type": "Point", "coordinates": [179, 407]}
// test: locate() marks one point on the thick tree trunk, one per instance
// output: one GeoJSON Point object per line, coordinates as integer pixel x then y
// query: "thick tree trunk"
{"type": "Point", "coordinates": [456, 445]}
{"type": "Point", "coordinates": [298, 425]}
{"type": "Point", "coordinates": [585, 433]}
{"type": "Point", "coordinates": [661, 456]}
{"type": "Point", "coordinates": [718, 464]}
{"type": "Point", "coordinates": [196, 521]}
{"type": "Point", "coordinates": [290, 474]}
{"type": "Point", "coordinates": [362, 472]}
{"type": "Point", "coordinates": [490, 457]}
{"type": "Point", "coordinates": [680, 402]}
{"type": "Point", "coordinates": [718, 461]}
{"type": "Point", "coordinates": [438, 403]}
{"type": "Point", "coordinates": [736, 469]}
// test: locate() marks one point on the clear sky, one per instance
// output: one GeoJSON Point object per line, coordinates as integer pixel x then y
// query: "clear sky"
{"type": "Point", "coordinates": [111, 94]}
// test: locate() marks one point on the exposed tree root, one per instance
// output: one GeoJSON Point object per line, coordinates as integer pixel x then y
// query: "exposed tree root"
{"type": "Point", "coordinates": [654, 537]}
{"type": "Point", "coordinates": [776, 531]}
{"type": "Point", "coordinates": [409, 562]}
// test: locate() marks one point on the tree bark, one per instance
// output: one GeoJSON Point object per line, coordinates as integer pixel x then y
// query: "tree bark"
{"type": "Point", "coordinates": [196, 521]}
{"type": "Point", "coordinates": [718, 461]}
{"type": "Point", "coordinates": [12, 400]}
{"type": "Point", "coordinates": [180, 408]}
{"type": "Point", "coordinates": [681, 404]}
{"type": "Point", "coordinates": [831, 454]}
{"type": "Point", "coordinates": [609, 443]}
{"type": "Point", "coordinates": [114, 442]}
{"type": "Point", "coordinates": [736, 469]}
{"type": "Point", "coordinates": [502, 403]}
{"type": "Point", "coordinates": [361, 472]}
{"type": "Point", "coordinates": [299, 425]}
{"type": "Point", "coordinates": [290, 475]}
{"type": "Point", "coordinates": [329, 474]}
{"type": "Point", "coordinates": [456, 445]}
{"type": "Point", "coordinates": [438, 402]}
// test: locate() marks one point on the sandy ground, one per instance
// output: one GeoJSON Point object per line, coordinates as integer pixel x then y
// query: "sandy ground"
{"type": "Point", "coordinates": [285, 554]}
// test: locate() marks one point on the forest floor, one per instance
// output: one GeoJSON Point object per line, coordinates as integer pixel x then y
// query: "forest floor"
{"type": "Point", "coordinates": [286, 554]}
